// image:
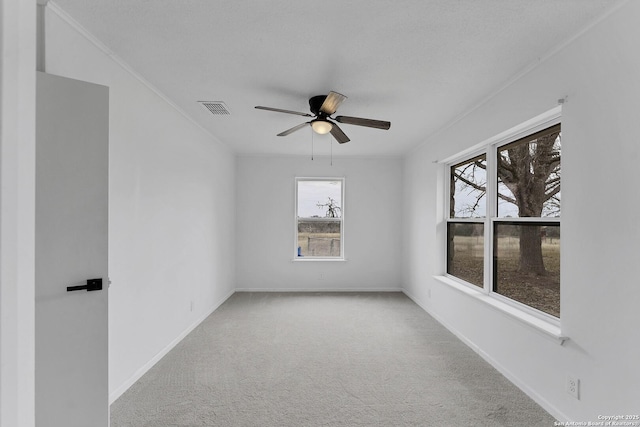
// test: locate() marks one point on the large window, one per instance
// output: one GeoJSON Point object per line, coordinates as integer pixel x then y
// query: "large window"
{"type": "Point", "coordinates": [319, 218]}
{"type": "Point", "coordinates": [503, 226]}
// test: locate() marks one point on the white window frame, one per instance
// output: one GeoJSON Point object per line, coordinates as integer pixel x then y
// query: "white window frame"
{"type": "Point", "coordinates": [296, 258]}
{"type": "Point", "coordinates": [490, 148]}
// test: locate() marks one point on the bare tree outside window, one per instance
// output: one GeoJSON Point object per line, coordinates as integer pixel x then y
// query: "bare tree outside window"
{"type": "Point", "coordinates": [529, 178]}
{"type": "Point", "coordinates": [469, 188]}
{"type": "Point", "coordinates": [467, 201]}
{"type": "Point", "coordinates": [528, 186]}
{"type": "Point", "coordinates": [333, 210]}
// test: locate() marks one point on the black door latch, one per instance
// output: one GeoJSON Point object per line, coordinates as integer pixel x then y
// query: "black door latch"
{"type": "Point", "coordinates": [92, 285]}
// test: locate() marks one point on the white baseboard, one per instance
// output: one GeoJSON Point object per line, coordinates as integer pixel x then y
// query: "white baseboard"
{"type": "Point", "coordinates": [319, 290]}
{"type": "Point", "coordinates": [544, 403]}
{"type": "Point", "coordinates": [113, 396]}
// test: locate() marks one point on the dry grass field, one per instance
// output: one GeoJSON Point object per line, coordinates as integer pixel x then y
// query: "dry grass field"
{"type": "Point", "coordinates": [540, 292]}
{"type": "Point", "coordinates": [319, 244]}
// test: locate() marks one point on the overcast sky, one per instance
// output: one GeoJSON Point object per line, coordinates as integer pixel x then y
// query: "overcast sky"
{"type": "Point", "coordinates": [311, 193]}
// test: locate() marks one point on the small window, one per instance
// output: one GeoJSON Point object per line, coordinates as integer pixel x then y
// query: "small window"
{"type": "Point", "coordinates": [319, 218]}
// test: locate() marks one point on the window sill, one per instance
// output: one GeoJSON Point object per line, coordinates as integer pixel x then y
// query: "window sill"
{"type": "Point", "coordinates": [309, 259]}
{"type": "Point", "coordinates": [548, 329]}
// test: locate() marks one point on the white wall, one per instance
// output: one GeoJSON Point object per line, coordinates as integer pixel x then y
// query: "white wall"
{"type": "Point", "coordinates": [265, 224]}
{"type": "Point", "coordinates": [17, 211]}
{"type": "Point", "coordinates": [600, 73]}
{"type": "Point", "coordinates": [172, 198]}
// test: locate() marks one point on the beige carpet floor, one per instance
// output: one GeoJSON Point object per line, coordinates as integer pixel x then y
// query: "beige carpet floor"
{"type": "Point", "coordinates": [323, 359]}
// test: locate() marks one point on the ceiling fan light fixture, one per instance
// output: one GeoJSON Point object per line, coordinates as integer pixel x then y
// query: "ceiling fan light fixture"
{"type": "Point", "coordinates": [321, 127]}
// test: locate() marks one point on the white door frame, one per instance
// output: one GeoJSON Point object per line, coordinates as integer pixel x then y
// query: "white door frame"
{"type": "Point", "coordinates": [17, 211]}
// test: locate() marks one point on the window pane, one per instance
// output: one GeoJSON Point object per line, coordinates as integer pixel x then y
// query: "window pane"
{"type": "Point", "coordinates": [319, 218]}
{"type": "Point", "coordinates": [465, 251]}
{"type": "Point", "coordinates": [319, 237]}
{"type": "Point", "coordinates": [527, 264]}
{"type": "Point", "coordinates": [319, 199]}
{"type": "Point", "coordinates": [529, 176]}
{"type": "Point", "coordinates": [467, 189]}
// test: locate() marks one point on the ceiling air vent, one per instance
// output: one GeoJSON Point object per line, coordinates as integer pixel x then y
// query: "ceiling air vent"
{"type": "Point", "coordinates": [217, 108]}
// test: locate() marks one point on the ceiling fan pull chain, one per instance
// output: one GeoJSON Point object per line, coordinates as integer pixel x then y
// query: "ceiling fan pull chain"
{"type": "Point", "coordinates": [331, 145]}
{"type": "Point", "coordinates": [311, 144]}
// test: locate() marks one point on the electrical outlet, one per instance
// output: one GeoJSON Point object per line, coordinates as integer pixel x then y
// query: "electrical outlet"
{"type": "Point", "coordinates": [573, 386]}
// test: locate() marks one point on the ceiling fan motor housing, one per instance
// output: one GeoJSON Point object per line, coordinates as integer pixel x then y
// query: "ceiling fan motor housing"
{"type": "Point", "coordinates": [315, 103]}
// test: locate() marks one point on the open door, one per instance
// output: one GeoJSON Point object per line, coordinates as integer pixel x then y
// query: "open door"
{"type": "Point", "coordinates": [72, 137]}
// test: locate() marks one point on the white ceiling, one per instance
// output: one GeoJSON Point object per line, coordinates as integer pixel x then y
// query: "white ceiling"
{"type": "Point", "coordinates": [417, 63]}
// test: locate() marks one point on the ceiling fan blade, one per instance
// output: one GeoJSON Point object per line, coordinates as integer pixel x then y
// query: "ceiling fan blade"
{"type": "Point", "coordinates": [293, 129]}
{"type": "Point", "coordinates": [279, 110]}
{"type": "Point", "coordinates": [337, 133]}
{"type": "Point", "coordinates": [378, 124]}
{"type": "Point", "coordinates": [332, 102]}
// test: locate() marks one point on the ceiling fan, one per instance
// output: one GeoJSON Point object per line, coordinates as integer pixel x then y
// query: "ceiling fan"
{"type": "Point", "coordinates": [322, 107]}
